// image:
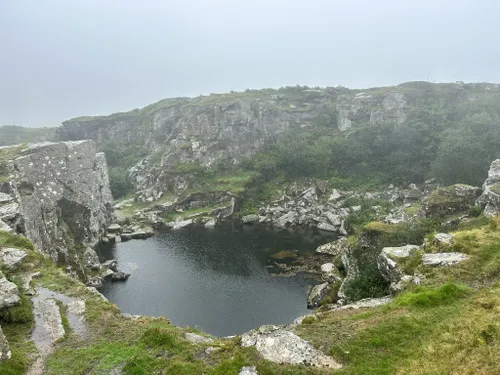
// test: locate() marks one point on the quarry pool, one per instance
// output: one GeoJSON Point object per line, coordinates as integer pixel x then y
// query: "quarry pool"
{"type": "Point", "coordinates": [217, 280]}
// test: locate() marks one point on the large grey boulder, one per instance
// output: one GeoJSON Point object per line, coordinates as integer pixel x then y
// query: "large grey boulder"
{"type": "Point", "coordinates": [286, 220]}
{"type": "Point", "coordinates": [443, 259]}
{"type": "Point", "coordinates": [387, 263]}
{"type": "Point", "coordinates": [490, 198]}
{"type": "Point", "coordinates": [11, 258]}
{"type": "Point", "coordinates": [114, 228]}
{"type": "Point", "coordinates": [317, 293]}
{"type": "Point", "coordinates": [6, 228]}
{"type": "Point", "coordinates": [284, 347]}
{"type": "Point", "coordinates": [90, 258]}
{"type": "Point", "coordinates": [443, 239]}
{"type": "Point", "coordinates": [9, 293]}
{"type": "Point", "coordinates": [334, 248]}
{"type": "Point", "coordinates": [450, 200]}
{"type": "Point", "coordinates": [63, 195]}
{"type": "Point", "coordinates": [249, 219]}
{"type": "Point", "coordinates": [330, 273]}
{"type": "Point", "coordinates": [5, 352]}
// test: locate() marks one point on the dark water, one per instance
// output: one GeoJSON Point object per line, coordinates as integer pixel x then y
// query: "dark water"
{"type": "Point", "coordinates": [212, 279]}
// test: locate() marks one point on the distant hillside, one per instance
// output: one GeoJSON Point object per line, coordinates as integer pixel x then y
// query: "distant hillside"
{"type": "Point", "coordinates": [11, 134]}
{"type": "Point", "coordinates": [398, 134]}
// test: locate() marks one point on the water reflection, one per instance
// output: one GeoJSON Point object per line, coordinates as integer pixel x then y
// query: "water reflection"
{"type": "Point", "coordinates": [212, 279]}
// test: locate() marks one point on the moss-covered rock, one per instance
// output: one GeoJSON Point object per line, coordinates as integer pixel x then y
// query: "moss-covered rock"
{"type": "Point", "coordinates": [450, 200]}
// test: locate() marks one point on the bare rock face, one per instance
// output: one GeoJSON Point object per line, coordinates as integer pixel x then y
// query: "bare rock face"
{"type": "Point", "coordinates": [388, 258]}
{"type": "Point", "coordinates": [317, 293]}
{"type": "Point", "coordinates": [281, 346]}
{"type": "Point", "coordinates": [334, 248]}
{"type": "Point", "coordinates": [60, 197]}
{"type": "Point", "coordinates": [490, 198]}
{"type": "Point", "coordinates": [9, 293]}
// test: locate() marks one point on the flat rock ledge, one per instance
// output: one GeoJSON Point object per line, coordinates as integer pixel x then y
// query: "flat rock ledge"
{"type": "Point", "coordinates": [443, 259]}
{"type": "Point", "coordinates": [278, 345]}
{"type": "Point", "coordinates": [11, 258]}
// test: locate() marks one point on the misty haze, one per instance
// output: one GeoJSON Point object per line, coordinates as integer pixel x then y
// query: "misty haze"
{"type": "Point", "coordinates": [249, 187]}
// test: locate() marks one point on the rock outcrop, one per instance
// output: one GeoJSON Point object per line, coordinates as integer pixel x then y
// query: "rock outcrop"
{"type": "Point", "coordinates": [443, 259]}
{"type": "Point", "coordinates": [450, 200]}
{"type": "Point", "coordinates": [316, 294]}
{"type": "Point", "coordinates": [9, 293]}
{"type": "Point", "coordinates": [281, 346]}
{"type": "Point", "coordinates": [59, 197]}
{"type": "Point", "coordinates": [387, 263]}
{"type": "Point", "coordinates": [226, 129]}
{"type": "Point", "coordinates": [490, 198]}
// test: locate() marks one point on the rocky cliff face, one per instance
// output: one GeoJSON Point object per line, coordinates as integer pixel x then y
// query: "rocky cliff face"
{"type": "Point", "coordinates": [58, 195]}
{"type": "Point", "coordinates": [225, 129]}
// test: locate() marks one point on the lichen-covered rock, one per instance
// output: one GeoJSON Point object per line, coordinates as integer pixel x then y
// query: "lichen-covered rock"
{"type": "Point", "coordinates": [443, 239]}
{"type": "Point", "coordinates": [119, 276]}
{"type": "Point", "coordinates": [5, 352]}
{"type": "Point", "coordinates": [90, 258]}
{"type": "Point", "coordinates": [330, 273]}
{"type": "Point", "coordinates": [284, 347]}
{"type": "Point", "coordinates": [387, 263]}
{"type": "Point", "coordinates": [443, 259]}
{"type": "Point", "coordinates": [450, 200]}
{"type": "Point", "coordinates": [9, 293]}
{"type": "Point", "coordinates": [316, 294]}
{"type": "Point", "coordinates": [62, 195]}
{"type": "Point", "coordinates": [334, 248]}
{"type": "Point", "coordinates": [248, 219]}
{"type": "Point", "coordinates": [352, 272]}
{"type": "Point", "coordinates": [490, 198]}
{"type": "Point", "coordinates": [6, 228]}
{"type": "Point", "coordinates": [11, 258]}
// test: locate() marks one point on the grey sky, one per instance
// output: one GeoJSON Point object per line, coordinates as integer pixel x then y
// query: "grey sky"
{"type": "Point", "coordinates": [65, 58]}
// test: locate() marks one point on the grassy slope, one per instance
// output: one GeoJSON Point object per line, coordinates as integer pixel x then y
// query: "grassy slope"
{"type": "Point", "coordinates": [448, 325]}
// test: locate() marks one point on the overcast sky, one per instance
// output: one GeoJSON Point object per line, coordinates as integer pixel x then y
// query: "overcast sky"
{"type": "Point", "coordinates": [65, 58]}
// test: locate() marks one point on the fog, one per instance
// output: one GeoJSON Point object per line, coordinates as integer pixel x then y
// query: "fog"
{"type": "Point", "coordinates": [62, 59]}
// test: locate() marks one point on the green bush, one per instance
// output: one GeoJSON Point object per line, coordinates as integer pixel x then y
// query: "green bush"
{"type": "Point", "coordinates": [119, 182]}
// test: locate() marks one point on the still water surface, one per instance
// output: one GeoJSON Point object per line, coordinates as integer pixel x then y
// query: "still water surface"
{"type": "Point", "coordinates": [212, 279]}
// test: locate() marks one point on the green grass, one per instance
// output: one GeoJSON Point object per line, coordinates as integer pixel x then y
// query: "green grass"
{"type": "Point", "coordinates": [7, 239]}
{"type": "Point", "coordinates": [424, 296]}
